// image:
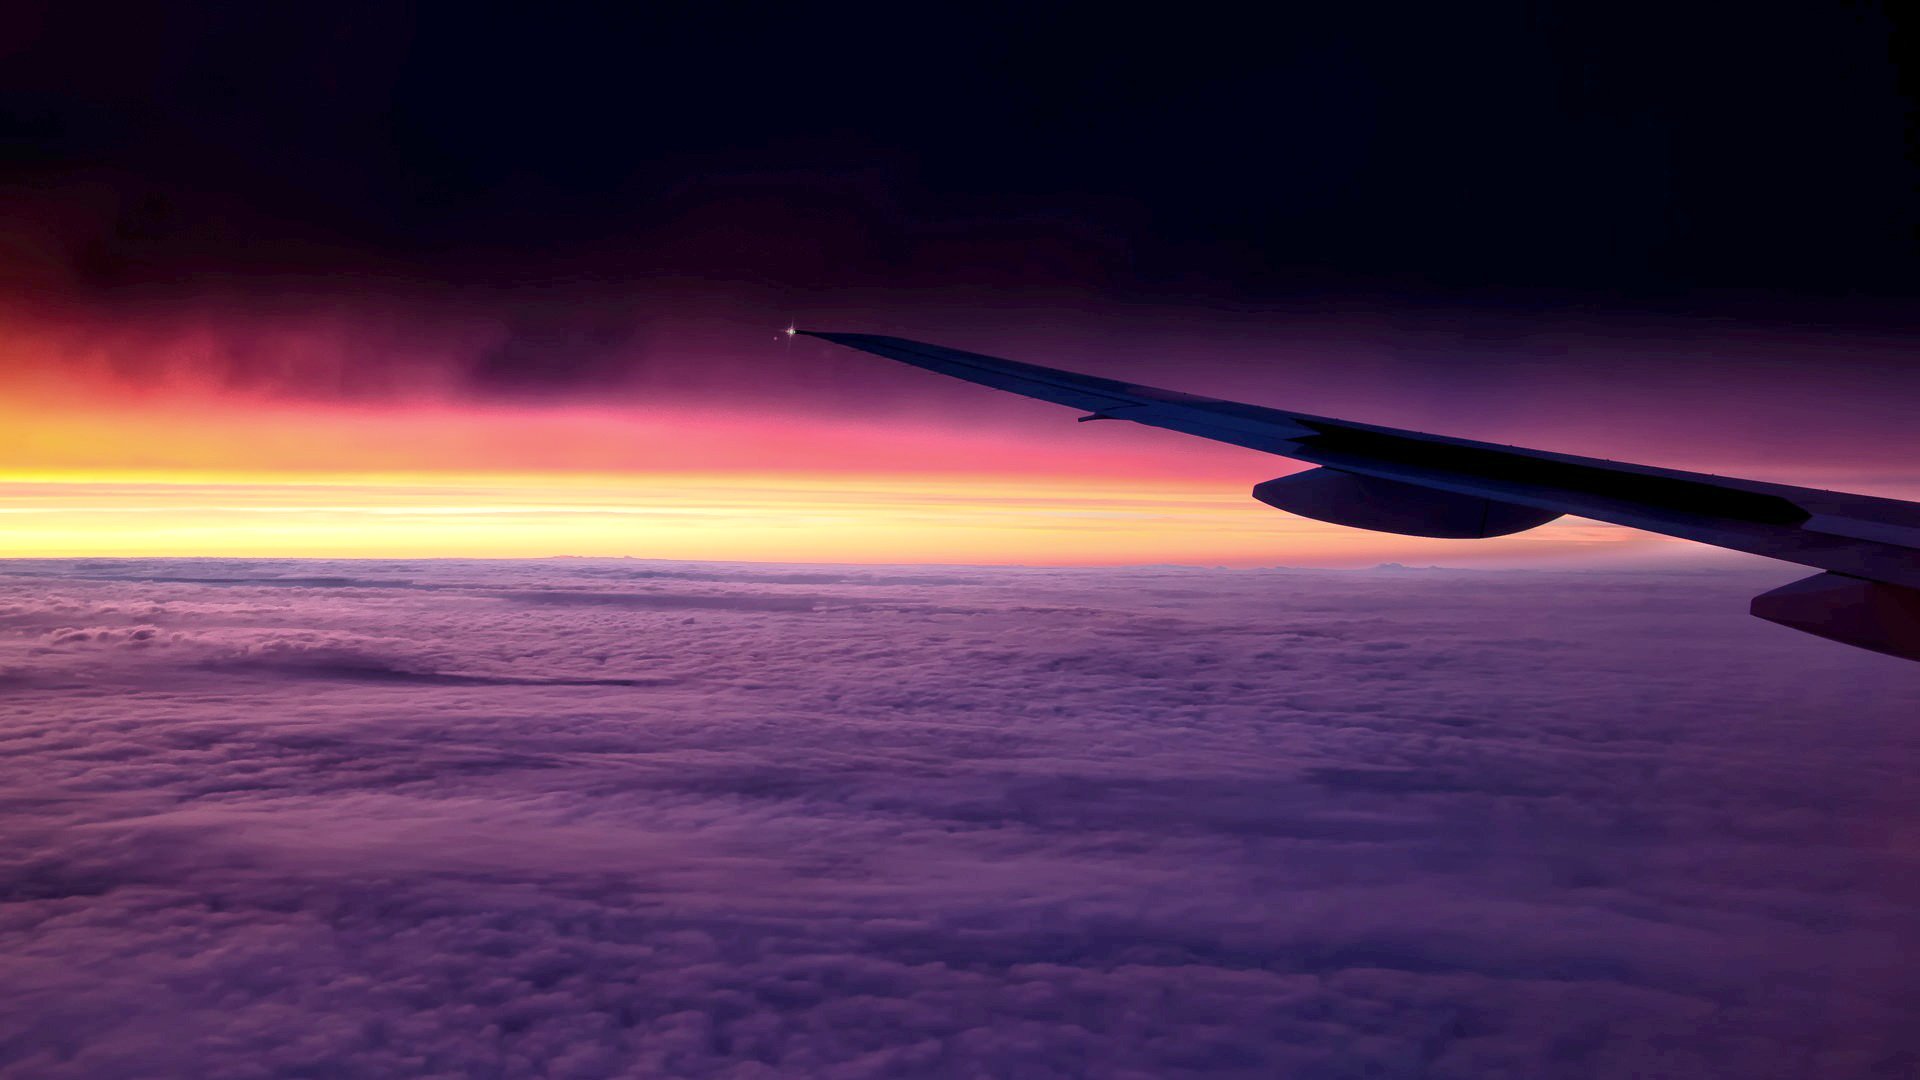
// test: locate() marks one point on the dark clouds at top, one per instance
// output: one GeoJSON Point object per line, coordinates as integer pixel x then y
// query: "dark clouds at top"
{"type": "Point", "coordinates": [624, 201]}
{"type": "Point", "coordinates": [1621, 154]}
{"type": "Point", "coordinates": [382, 819]}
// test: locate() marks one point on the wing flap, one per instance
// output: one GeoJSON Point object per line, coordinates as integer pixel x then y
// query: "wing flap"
{"type": "Point", "coordinates": [1371, 502]}
{"type": "Point", "coordinates": [1865, 614]}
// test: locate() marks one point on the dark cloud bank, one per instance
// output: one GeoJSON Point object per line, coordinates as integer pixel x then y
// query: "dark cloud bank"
{"type": "Point", "coordinates": [430, 819]}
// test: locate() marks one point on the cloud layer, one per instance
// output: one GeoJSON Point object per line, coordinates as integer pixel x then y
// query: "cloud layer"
{"type": "Point", "coordinates": [603, 818]}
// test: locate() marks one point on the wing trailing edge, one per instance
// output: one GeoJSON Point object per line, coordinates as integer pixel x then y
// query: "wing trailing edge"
{"type": "Point", "coordinates": [1392, 480]}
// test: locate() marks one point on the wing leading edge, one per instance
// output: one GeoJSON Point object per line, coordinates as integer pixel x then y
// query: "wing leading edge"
{"type": "Point", "coordinates": [1391, 480]}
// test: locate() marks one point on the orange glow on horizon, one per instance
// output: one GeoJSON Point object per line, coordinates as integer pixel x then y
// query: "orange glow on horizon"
{"type": "Point", "coordinates": [724, 516]}
{"type": "Point", "coordinates": [91, 466]}
{"type": "Point", "coordinates": [219, 437]}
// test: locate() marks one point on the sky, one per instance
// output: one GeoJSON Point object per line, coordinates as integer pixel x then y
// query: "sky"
{"type": "Point", "coordinates": [603, 818]}
{"type": "Point", "coordinates": [447, 629]}
{"type": "Point", "coordinates": [408, 280]}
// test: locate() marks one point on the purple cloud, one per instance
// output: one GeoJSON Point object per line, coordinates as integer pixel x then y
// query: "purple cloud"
{"type": "Point", "coordinates": [420, 819]}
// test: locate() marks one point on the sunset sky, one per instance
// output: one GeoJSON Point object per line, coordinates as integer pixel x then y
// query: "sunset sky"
{"type": "Point", "coordinates": [450, 628]}
{"type": "Point", "coordinates": [357, 283]}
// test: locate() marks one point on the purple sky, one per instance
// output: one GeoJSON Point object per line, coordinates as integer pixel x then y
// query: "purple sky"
{"type": "Point", "coordinates": [600, 818]}
{"type": "Point", "coordinates": [1694, 248]}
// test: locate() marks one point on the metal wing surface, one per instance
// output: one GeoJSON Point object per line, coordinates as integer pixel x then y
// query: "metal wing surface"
{"type": "Point", "coordinates": [1410, 482]}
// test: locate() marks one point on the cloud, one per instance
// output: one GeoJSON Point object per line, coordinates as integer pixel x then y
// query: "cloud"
{"type": "Point", "coordinates": [658, 599]}
{"type": "Point", "coordinates": [1154, 822]}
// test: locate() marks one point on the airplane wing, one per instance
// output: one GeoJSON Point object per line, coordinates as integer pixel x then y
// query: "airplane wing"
{"type": "Point", "coordinates": [1390, 480]}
